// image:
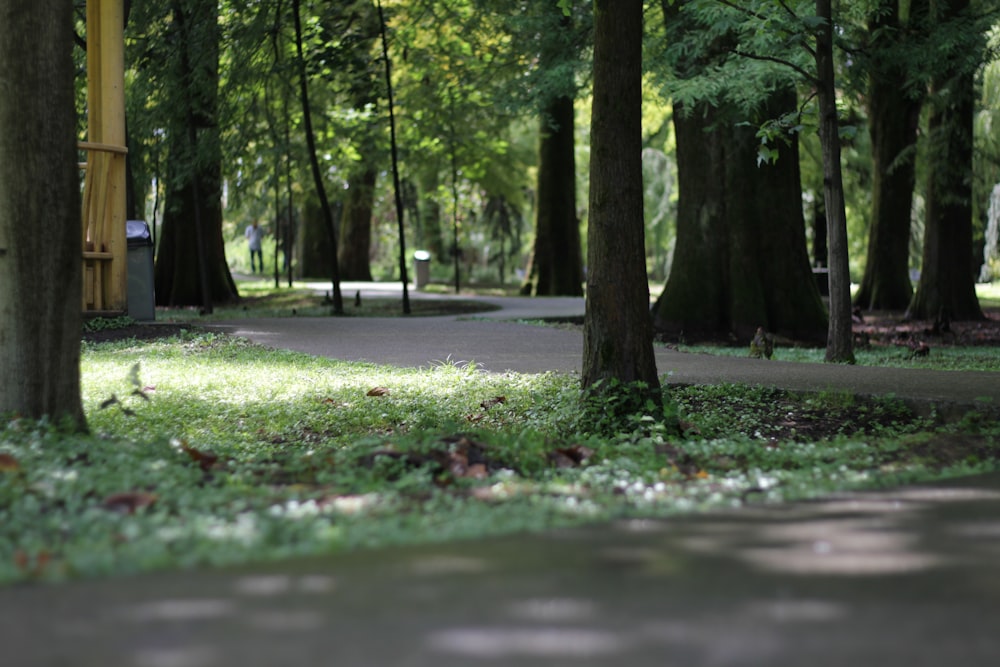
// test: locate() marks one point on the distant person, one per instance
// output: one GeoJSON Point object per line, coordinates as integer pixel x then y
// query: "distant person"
{"type": "Point", "coordinates": [254, 236]}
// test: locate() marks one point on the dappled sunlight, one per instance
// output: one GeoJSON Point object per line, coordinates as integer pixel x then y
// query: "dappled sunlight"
{"type": "Point", "coordinates": [527, 642]}
{"type": "Point", "coordinates": [268, 585]}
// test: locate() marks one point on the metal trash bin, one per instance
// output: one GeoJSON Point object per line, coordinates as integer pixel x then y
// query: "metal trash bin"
{"type": "Point", "coordinates": [141, 302]}
{"type": "Point", "coordinates": [422, 260]}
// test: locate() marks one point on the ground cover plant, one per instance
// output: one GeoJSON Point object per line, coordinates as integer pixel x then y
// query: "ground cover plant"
{"type": "Point", "coordinates": [209, 450]}
{"type": "Point", "coordinates": [888, 339]}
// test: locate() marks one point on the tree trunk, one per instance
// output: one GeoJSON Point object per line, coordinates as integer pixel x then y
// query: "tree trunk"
{"type": "Point", "coordinates": [894, 117]}
{"type": "Point", "coordinates": [556, 264]}
{"type": "Point", "coordinates": [356, 227]}
{"type": "Point", "coordinates": [740, 260]}
{"type": "Point", "coordinates": [840, 334]}
{"type": "Point", "coordinates": [618, 336]}
{"type": "Point", "coordinates": [947, 289]}
{"type": "Point", "coordinates": [324, 202]}
{"type": "Point", "coordinates": [194, 179]}
{"type": "Point", "coordinates": [40, 242]}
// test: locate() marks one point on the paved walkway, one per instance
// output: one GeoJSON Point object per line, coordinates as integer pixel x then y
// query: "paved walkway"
{"type": "Point", "coordinates": [902, 578]}
{"type": "Point", "coordinates": [905, 577]}
{"type": "Point", "coordinates": [497, 342]}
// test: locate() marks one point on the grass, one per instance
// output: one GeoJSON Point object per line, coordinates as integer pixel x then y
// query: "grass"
{"type": "Point", "coordinates": [209, 450]}
{"type": "Point", "coordinates": [980, 358]}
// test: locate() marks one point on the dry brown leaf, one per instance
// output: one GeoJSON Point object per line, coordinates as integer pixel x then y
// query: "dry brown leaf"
{"type": "Point", "coordinates": [477, 471]}
{"type": "Point", "coordinates": [378, 391]}
{"type": "Point", "coordinates": [204, 459]}
{"type": "Point", "coordinates": [570, 457]}
{"type": "Point", "coordinates": [489, 403]}
{"type": "Point", "coordinates": [128, 502]}
{"type": "Point", "coordinates": [8, 463]}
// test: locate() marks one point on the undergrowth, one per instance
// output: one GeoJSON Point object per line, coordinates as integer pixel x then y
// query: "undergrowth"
{"type": "Point", "coordinates": [205, 449]}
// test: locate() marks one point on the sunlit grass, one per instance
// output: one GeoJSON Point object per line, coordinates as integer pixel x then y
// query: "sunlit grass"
{"type": "Point", "coordinates": [210, 450]}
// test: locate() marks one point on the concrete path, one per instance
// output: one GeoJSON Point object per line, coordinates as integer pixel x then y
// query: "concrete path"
{"type": "Point", "coordinates": [902, 578]}
{"type": "Point", "coordinates": [908, 577]}
{"type": "Point", "coordinates": [497, 342]}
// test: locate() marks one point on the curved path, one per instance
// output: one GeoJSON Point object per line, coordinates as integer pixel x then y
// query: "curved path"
{"type": "Point", "coordinates": [497, 341]}
{"type": "Point", "coordinates": [906, 577]}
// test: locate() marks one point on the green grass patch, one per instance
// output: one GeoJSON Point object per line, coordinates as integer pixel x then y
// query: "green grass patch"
{"type": "Point", "coordinates": [209, 450]}
{"type": "Point", "coordinates": [976, 358]}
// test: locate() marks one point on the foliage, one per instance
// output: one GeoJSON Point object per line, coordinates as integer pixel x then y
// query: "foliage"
{"type": "Point", "coordinates": [243, 452]}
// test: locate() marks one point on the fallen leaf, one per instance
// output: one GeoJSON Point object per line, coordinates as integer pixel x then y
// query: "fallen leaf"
{"type": "Point", "coordinates": [204, 459]}
{"type": "Point", "coordinates": [8, 463]}
{"type": "Point", "coordinates": [378, 391]}
{"type": "Point", "coordinates": [128, 502]}
{"type": "Point", "coordinates": [570, 457]}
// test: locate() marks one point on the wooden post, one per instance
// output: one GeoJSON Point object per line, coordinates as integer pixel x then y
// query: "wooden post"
{"type": "Point", "coordinates": [106, 125]}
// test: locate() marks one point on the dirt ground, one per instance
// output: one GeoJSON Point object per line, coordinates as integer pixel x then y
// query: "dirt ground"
{"type": "Point", "coordinates": [890, 328]}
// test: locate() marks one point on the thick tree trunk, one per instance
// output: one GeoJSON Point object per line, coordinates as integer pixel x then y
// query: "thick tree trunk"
{"type": "Point", "coordinates": [618, 336]}
{"type": "Point", "coordinates": [40, 243]}
{"type": "Point", "coordinates": [556, 265]}
{"type": "Point", "coordinates": [312, 243]}
{"type": "Point", "coordinates": [840, 334]}
{"type": "Point", "coordinates": [356, 227]}
{"type": "Point", "coordinates": [893, 121]}
{"type": "Point", "coordinates": [740, 260]}
{"type": "Point", "coordinates": [947, 288]}
{"type": "Point", "coordinates": [191, 267]}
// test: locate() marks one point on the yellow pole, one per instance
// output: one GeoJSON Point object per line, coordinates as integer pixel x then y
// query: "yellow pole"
{"type": "Point", "coordinates": [106, 125]}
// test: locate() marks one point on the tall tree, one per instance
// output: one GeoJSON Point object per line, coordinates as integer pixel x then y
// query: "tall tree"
{"type": "Point", "coordinates": [840, 333]}
{"type": "Point", "coordinates": [740, 259]}
{"type": "Point", "coordinates": [326, 210]}
{"type": "Point", "coordinates": [191, 267]}
{"type": "Point", "coordinates": [617, 333]}
{"type": "Point", "coordinates": [893, 122]}
{"type": "Point", "coordinates": [555, 267]}
{"type": "Point", "coordinates": [353, 29]}
{"type": "Point", "coordinates": [40, 234]}
{"type": "Point", "coordinates": [947, 289]}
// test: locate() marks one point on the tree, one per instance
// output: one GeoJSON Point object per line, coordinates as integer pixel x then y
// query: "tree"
{"type": "Point", "coordinates": [191, 268]}
{"type": "Point", "coordinates": [740, 259]}
{"type": "Point", "coordinates": [946, 290]}
{"type": "Point", "coordinates": [617, 333]}
{"type": "Point", "coordinates": [338, 300]}
{"type": "Point", "coordinates": [556, 264]}
{"type": "Point", "coordinates": [893, 122]}
{"type": "Point", "coordinates": [840, 332]}
{"type": "Point", "coordinates": [40, 243]}
{"type": "Point", "coordinates": [354, 27]}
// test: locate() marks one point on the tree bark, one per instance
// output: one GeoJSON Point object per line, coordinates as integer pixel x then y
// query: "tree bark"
{"type": "Point", "coordinates": [356, 227]}
{"type": "Point", "coordinates": [894, 117]}
{"type": "Point", "coordinates": [192, 220]}
{"type": "Point", "coordinates": [618, 336]}
{"type": "Point", "coordinates": [840, 334]}
{"type": "Point", "coordinates": [556, 264]}
{"type": "Point", "coordinates": [40, 227]}
{"type": "Point", "coordinates": [947, 289]}
{"type": "Point", "coordinates": [740, 260]}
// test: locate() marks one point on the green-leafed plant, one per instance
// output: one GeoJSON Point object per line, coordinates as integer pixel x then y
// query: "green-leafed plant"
{"type": "Point", "coordinates": [219, 451]}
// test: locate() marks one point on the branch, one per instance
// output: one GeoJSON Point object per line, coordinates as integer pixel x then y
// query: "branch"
{"type": "Point", "coordinates": [743, 10]}
{"type": "Point", "coordinates": [753, 56]}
